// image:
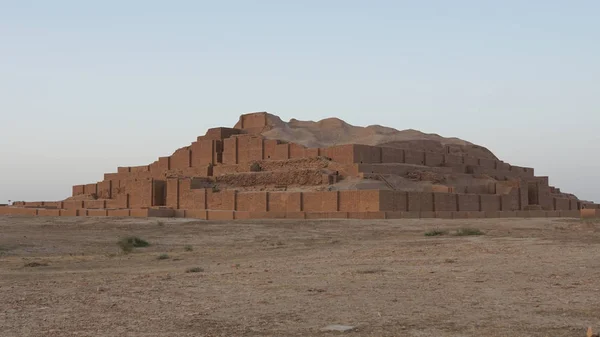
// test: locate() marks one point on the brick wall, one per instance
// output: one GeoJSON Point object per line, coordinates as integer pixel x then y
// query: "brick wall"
{"type": "Point", "coordinates": [53, 204]}
{"type": "Point", "coordinates": [349, 201]}
{"type": "Point", "coordinates": [94, 204]}
{"type": "Point", "coordinates": [204, 152]}
{"type": "Point", "coordinates": [172, 193]}
{"type": "Point", "coordinates": [523, 197]}
{"type": "Point", "coordinates": [452, 160]}
{"type": "Point", "coordinates": [269, 146]}
{"type": "Point", "coordinates": [48, 212]}
{"type": "Point", "coordinates": [115, 188]}
{"type": "Point", "coordinates": [400, 201]}
{"type": "Point", "coordinates": [34, 204]}
{"type": "Point", "coordinates": [341, 154]}
{"type": "Point", "coordinates": [223, 200]}
{"type": "Point", "coordinates": [369, 201]}
{"type": "Point", "coordinates": [574, 205]}
{"type": "Point", "coordinates": [420, 202]}
{"type": "Point", "coordinates": [313, 153]}
{"type": "Point", "coordinates": [414, 157]}
{"type": "Point", "coordinates": [472, 161]}
{"type": "Point", "coordinates": [121, 201]}
{"type": "Point", "coordinates": [330, 201]}
{"type": "Point", "coordinates": [468, 202]}
{"type": "Point", "coordinates": [312, 201]}
{"type": "Point", "coordinates": [252, 121]}
{"type": "Point", "coordinates": [78, 190]}
{"type": "Point", "coordinates": [90, 189]}
{"type": "Point", "coordinates": [190, 198]}
{"type": "Point", "coordinates": [387, 200]}
{"type": "Point", "coordinates": [252, 202]}
{"type": "Point", "coordinates": [71, 204]}
{"type": "Point", "coordinates": [282, 152]}
{"type": "Point", "coordinates": [487, 163]}
{"type": "Point", "coordinates": [230, 150]}
{"type": "Point", "coordinates": [158, 168]}
{"type": "Point", "coordinates": [181, 159]}
{"type": "Point", "coordinates": [561, 204]}
{"type": "Point", "coordinates": [275, 150]}
{"type": "Point", "coordinates": [490, 203]}
{"type": "Point", "coordinates": [366, 154]}
{"type": "Point", "coordinates": [391, 155]}
{"type": "Point", "coordinates": [297, 151]}
{"type": "Point", "coordinates": [220, 133]}
{"type": "Point", "coordinates": [111, 176]}
{"type": "Point", "coordinates": [138, 169]}
{"type": "Point", "coordinates": [140, 193]}
{"type": "Point", "coordinates": [522, 171]}
{"type": "Point", "coordinates": [434, 159]}
{"type": "Point", "coordinates": [510, 202]}
{"type": "Point", "coordinates": [105, 189]}
{"type": "Point", "coordinates": [249, 148]}
{"type": "Point", "coordinates": [444, 202]}
{"type": "Point", "coordinates": [505, 187]}
{"type": "Point", "coordinates": [285, 201]}
{"type": "Point", "coordinates": [544, 194]}
{"type": "Point", "coordinates": [502, 166]}
{"type": "Point", "coordinates": [357, 201]}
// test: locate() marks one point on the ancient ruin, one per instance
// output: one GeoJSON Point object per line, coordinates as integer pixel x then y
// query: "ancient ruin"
{"type": "Point", "coordinates": [266, 168]}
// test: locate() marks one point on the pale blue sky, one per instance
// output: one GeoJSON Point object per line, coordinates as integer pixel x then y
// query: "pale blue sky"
{"type": "Point", "coordinates": [88, 86]}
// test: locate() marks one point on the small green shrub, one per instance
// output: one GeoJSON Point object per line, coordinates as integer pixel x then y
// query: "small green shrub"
{"type": "Point", "coordinates": [128, 243]}
{"type": "Point", "coordinates": [255, 167]}
{"type": "Point", "coordinates": [435, 232]}
{"type": "Point", "coordinates": [194, 270]}
{"type": "Point", "coordinates": [163, 257]}
{"type": "Point", "coordinates": [468, 232]}
{"type": "Point", "coordinates": [188, 248]}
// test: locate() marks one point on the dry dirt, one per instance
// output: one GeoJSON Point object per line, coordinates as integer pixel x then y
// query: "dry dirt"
{"type": "Point", "coordinates": [524, 277]}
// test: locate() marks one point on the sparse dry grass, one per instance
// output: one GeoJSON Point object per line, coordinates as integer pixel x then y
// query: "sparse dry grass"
{"type": "Point", "coordinates": [468, 232]}
{"type": "Point", "coordinates": [371, 271]}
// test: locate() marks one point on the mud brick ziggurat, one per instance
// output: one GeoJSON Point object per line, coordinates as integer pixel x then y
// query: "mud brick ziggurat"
{"type": "Point", "coordinates": [265, 168]}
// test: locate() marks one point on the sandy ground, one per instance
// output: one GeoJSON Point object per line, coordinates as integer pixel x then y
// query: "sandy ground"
{"type": "Point", "coordinates": [524, 277]}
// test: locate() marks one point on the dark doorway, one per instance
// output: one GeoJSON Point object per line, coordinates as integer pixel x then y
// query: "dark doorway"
{"type": "Point", "coordinates": [532, 192]}
{"type": "Point", "coordinates": [159, 193]}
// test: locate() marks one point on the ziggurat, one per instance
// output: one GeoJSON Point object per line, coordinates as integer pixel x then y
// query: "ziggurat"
{"type": "Point", "coordinates": [256, 170]}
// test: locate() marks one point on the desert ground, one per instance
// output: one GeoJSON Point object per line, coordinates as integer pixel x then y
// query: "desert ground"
{"type": "Point", "coordinates": [522, 277]}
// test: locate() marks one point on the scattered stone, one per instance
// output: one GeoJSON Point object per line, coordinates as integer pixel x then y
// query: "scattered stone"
{"type": "Point", "coordinates": [337, 327]}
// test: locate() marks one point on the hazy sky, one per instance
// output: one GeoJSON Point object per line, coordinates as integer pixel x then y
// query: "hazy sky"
{"type": "Point", "coordinates": [86, 86]}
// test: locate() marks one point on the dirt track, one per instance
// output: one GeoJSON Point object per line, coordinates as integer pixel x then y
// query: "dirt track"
{"type": "Point", "coordinates": [524, 277]}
